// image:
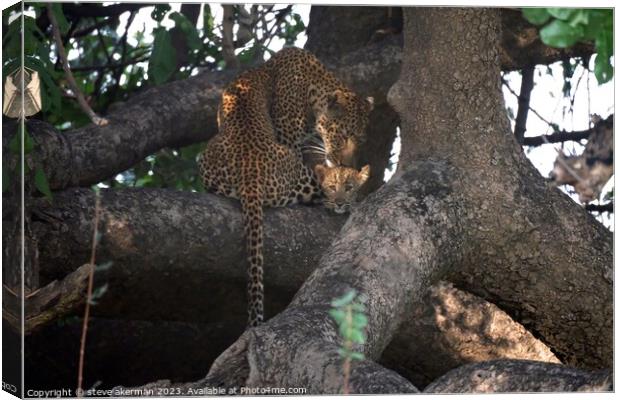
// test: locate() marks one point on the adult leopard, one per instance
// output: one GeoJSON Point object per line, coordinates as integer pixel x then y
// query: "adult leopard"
{"type": "Point", "coordinates": [256, 157]}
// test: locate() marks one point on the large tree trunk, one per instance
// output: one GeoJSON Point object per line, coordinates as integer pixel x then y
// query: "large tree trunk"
{"type": "Point", "coordinates": [527, 247]}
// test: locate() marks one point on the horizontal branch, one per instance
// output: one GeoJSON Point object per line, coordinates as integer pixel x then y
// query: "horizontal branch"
{"type": "Point", "coordinates": [171, 115]}
{"type": "Point", "coordinates": [557, 137]}
{"type": "Point", "coordinates": [600, 208]}
{"type": "Point", "coordinates": [564, 136]}
{"type": "Point", "coordinates": [169, 247]}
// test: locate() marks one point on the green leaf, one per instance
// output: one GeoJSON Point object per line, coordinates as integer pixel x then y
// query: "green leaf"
{"type": "Point", "coordinates": [605, 42]}
{"type": "Point", "coordinates": [104, 267]}
{"type": "Point", "coordinates": [536, 16]}
{"type": "Point", "coordinates": [40, 181]}
{"type": "Point", "coordinates": [98, 292]}
{"type": "Point", "coordinates": [560, 34]}
{"type": "Point", "coordinates": [344, 300]}
{"type": "Point", "coordinates": [159, 12]}
{"type": "Point", "coordinates": [344, 353]}
{"type": "Point", "coordinates": [359, 320]}
{"type": "Point", "coordinates": [162, 63]}
{"type": "Point", "coordinates": [580, 17]}
{"type": "Point", "coordinates": [357, 337]}
{"type": "Point", "coordinates": [15, 144]}
{"type": "Point", "coordinates": [63, 24]}
{"type": "Point", "coordinates": [603, 69]}
{"type": "Point", "coordinates": [345, 330]}
{"type": "Point", "coordinates": [358, 307]}
{"type": "Point", "coordinates": [247, 55]}
{"type": "Point", "coordinates": [338, 315]}
{"type": "Point", "coordinates": [357, 356]}
{"type": "Point", "coordinates": [190, 31]}
{"type": "Point", "coordinates": [561, 13]}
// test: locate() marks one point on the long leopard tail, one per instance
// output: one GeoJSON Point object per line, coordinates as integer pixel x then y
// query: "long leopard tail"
{"type": "Point", "coordinates": [252, 209]}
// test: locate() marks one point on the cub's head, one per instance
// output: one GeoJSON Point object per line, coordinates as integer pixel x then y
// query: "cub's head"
{"type": "Point", "coordinates": [340, 185]}
{"type": "Point", "coordinates": [342, 125]}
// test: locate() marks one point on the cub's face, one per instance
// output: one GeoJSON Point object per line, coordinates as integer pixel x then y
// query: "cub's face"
{"type": "Point", "coordinates": [340, 185]}
{"type": "Point", "coordinates": [342, 125]}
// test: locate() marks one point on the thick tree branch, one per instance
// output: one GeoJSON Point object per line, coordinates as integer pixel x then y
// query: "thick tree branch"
{"type": "Point", "coordinates": [172, 115]}
{"type": "Point", "coordinates": [171, 247]}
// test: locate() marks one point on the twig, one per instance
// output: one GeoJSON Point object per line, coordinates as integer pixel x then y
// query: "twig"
{"type": "Point", "coordinates": [131, 61]}
{"type": "Point", "coordinates": [527, 84]}
{"type": "Point", "coordinates": [505, 83]}
{"type": "Point", "coordinates": [62, 55]}
{"type": "Point", "coordinates": [557, 137]}
{"type": "Point", "coordinates": [564, 136]}
{"type": "Point", "coordinates": [89, 294]}
{"type": "Point", "coordinates": [600, 208]}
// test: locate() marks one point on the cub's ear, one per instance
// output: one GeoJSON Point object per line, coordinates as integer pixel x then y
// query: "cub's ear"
{"type": "Point", "coordinates": [320, 170]}
{"type": "Point", "coordinates": [364, 174]}
{"type": "Point", "coordinates": [370, 103]}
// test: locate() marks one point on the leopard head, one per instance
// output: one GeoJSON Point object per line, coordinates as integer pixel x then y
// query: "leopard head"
{"type": "Point", "coordinates": [342, 125]}
{"type": "Point", "coordinates": [340, 185]}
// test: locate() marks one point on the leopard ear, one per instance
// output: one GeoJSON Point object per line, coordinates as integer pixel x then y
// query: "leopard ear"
{"type": "Point", "coordinates": [335, 101]}
{"type": "Point", "coordinates": [364, 174]}
{"type": "Point", "coordinates": [319, 170]}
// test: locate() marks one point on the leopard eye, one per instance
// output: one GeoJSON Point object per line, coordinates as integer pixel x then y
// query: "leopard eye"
{"type": "Point", "coordinates": [332, 188]}
{"type": "Point", "coordinates": [348, 187]}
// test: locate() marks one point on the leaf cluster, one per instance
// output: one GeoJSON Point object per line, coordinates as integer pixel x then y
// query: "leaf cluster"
{"type": "Point", "coordinates": [349, 313]}
{"type": "Point", "coordinates": [564, 27]}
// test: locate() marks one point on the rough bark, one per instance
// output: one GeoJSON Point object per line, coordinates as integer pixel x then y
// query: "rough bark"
{"type": "Point", "coordinates": [171, 247]}
{"type": "Point", "coordinates": [528, 259]}
{"type": "Point", "coordinates": [520, 376]}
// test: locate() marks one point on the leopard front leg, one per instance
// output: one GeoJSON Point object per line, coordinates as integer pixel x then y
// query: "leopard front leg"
{"type": "Point", "coordinates": [307, 190]}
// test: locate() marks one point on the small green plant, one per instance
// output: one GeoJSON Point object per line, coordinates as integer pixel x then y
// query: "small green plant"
{"type": "Point", "coordinates": [348, 312]}
{"type": "Point", "coordinates": [563, 27]}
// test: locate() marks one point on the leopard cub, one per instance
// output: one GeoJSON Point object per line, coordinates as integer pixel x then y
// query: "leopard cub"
{"type": "Point", "coordinates": [340, 185]}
